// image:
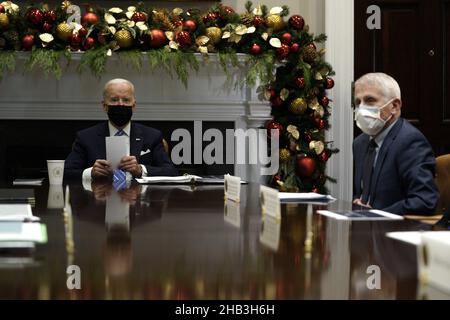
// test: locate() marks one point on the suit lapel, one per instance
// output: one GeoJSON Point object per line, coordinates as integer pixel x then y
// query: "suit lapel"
{"type": "Point", "coordinates": [136, 141]}
{"type": "Point", "coordinates": [382, 156]}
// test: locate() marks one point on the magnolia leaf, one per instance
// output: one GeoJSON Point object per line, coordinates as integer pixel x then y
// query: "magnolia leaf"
{"type": "Point", "coordinates": [129, 14]}
{"type": "Point", "coordinates": [284, 93]}
{"type": "Point", "coordinates": [251, 29]}
{"type": "Point", "coordinates": [275, 42]}
{"type": "Point", "coordinates": [317, 146]}
{"type": "Point", "coordinates": [109, 18]}
{"type": "Point", "coordinates": [115, 10]}
{"type": "Point", "coordinates": [169, 35]}
{"type": "Point", "coordinates": [173, 45]}
{"type": "Point", "coordinates": [319, 111]}
{"type": "Point", "coordinates": [109, 53]}
{"type": "Point", "coordinates": [112, 29]}
{"type": "Point", "coordinates": [141, 25]}
{"type": "Point", "coordinates": [202, 40]}
{"type": "Point", "coordinates": [318, 76]}
{"type": "Point", "coordinates": [46, 37]}
{"type": "Point", "coordinates": [267, 95]}
{"type": "Point", "coordinates": [276, 10]}
{"type": "Point", "coordinates": [203, 49]}
{"type": "Point", "coordinates": [177, 11]}
{"type": "Point", "coordinates": [258, 11]}
{"type": "Point", "coordinates": [131, 9]}
{"type": "Point", "coordinates": [130, 23]}
{"type": "Point", "coordinates": [241, 30]}
{"type": "Point", "coordinates": [226, 35]}
{"type": "Point", "coordinates": [265, 35]}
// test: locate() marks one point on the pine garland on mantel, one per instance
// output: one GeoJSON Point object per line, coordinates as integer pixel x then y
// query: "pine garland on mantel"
{"type": "Point", "coordinates": [278, 51]}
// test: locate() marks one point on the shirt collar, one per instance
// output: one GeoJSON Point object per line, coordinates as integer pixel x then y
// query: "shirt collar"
{"type": "Point", "coordinates": [379, 139]}
{"type": "Point", "coordinates": [113, 130]}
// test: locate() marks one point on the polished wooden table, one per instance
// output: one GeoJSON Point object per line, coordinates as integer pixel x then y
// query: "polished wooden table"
{"type": "Point", "coordinates": [183, 242]}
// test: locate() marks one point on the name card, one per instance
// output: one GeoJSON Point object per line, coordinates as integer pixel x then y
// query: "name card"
{"type": "Point", "coordinates": [232, 213]}
{"type": "Point", "coordinates": [270, 232]}
{"type": "Point", "coordinates": [436, 246]}
{"type": "Point", "coordinates": [232, 188]}
{"type": "Point", "coordinates": [270, 202]}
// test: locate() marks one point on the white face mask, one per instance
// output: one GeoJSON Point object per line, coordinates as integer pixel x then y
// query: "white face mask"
{"type": "Point", "coordinates": [368, 118]}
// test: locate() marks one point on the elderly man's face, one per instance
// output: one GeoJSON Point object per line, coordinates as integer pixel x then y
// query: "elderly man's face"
{"type": "Point", "coordinates": [372, 96]}
{"type": "Point", "coordinates": [119, 94]}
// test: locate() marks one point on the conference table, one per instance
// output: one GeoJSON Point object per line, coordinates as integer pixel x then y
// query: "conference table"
{"type": "Point", "coordinates": [186, 242]}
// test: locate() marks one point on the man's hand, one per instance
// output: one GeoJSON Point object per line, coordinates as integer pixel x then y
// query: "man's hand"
{"type": "Point", "coordinates": [101, 168]}
{"type": "Point", "coordinates": [130, 164]}
{"type": "Point", "coordinates": [358, 202]}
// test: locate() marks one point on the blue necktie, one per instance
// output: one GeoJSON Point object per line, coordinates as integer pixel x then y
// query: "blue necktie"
{"type": "Point", "coordinates": [119, 176]}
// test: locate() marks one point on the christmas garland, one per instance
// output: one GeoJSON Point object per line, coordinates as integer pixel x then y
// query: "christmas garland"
{"type": "Point", "coordinates": [281, 54]}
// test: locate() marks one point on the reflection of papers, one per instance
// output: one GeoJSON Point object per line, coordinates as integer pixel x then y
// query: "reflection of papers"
{"type": "Point", "coordinates": [187, 178]}
{"type": "Point", "coordinates": [16, 212]}
{"type": "Point", "coordinates": [28, 182]}
{"type": "Point", "coordinates": [116, 149]}
{"type": "Point", "coordinates": [23, 232]}
{"type": "Point", "coordinates": [117, 213]}
{"type": "Point", "coordinates": [232, 213]}
{"type": "Point", "coordinates": [55, 197]}
{"type": "Point", "coordinates": [360, 215]}
{"type": "Point", "coordinates": [270, 232]}
{"type": "Point", "coordinates": [304, 197]}
{"type": "Point", "coordinates": [412, 237]}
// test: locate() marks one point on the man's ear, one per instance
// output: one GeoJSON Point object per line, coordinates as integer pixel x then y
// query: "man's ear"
{"type": "Point", "coordinates": [105, 106]}
{"type": "Point", "coordinates": [397, 103]}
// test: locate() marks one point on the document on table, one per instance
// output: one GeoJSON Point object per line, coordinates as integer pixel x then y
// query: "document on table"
{"type": "Point", "coordinates": [360, 215]}
{"type": "Point", "coordinates": [28, 182]}
{"type": "Point", "coordinates": [187, 178]}
{"type": "Point", "coordinates": [293, 197]}
{"type": "Point", "coordinates": [116, 149]}
{"type": "Point", "coordinates": [16, 212]}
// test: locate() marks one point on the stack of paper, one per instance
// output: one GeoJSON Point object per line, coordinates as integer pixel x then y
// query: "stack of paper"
{"type": "Point", "coordinates": [28, 182]}
{"type": "Point", "coordinates": [294, 197]}
{"type": "Point", "coordinates": [188, 178]}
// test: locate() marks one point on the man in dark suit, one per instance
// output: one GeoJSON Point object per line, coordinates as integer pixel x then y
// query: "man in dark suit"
{"type": "Point", "coordinates": [147, 156]}
{"type": "Point", "coordinates": [394, 165]}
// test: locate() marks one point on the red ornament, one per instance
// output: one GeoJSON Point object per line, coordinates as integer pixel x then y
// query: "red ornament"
{"type": "Point", "coordinates": [324, 101]}
{"type": "Point", "coordinates": [256, 49]}
{"type": "Point", "coordinates": [258, 20]}
{"type": "Point", "coordinates": [178, 23]}
{"type": "Point", "coordinates": [158, 38]}
{"type": "Point", "coordinates": [297, 22]}
{"type": "Point", "coordinates": [82, 32]}
{"type": "Point", "coordinates": [312, 45]}
{"type": "Point", "coordinates": [50, 16]}
{"type": "Point", "coordinates": [88, 43]}
{"type": "Point", "coordinates": [75, 40]}
{"type": "Point", "coordinates": [315, 190]}
{"type": "Point", "coordinates": [320, 123]}
{"type": "Point", "coordinates": [300, 82]}
{"type": "Point", "coordinates": [183, 38]}
{"type": "Point", "coordinates": [2, 9]}
{"type": "Point", "coordinates": [139, 16]}
{"type": "Point", "coordinates": [286, 38]}
{"type": "Point", "coordinates": [283, 51]}
{"type": "Point", "coordinates": [210, 17]}
{"type": "Point", "coordinates": [295, 47]}
{"type": "Point", "coordinates": [27, 42]}
{"type": "Point", "coordinates": [329, 83]}
{"type": "Point", "coordinates": [324, 156]}
{"type": "Point", "coordinates": [306, 167]}
{"type": "Point", "coordinates": [190, 25]}
{"type": "Point", "coordinates": [47, 26]}
{"type": "Point", "coordinates": [89, 18]}
{"type": "Point", "coordinates": [276, 102]}
{"type": "Point", "coordinates": [228, 9]}
{"type": "Point", "coordinates": [35, 16]}
{"type": "Point", "coordinates": [274, 125]}
{"type": "Point", "coordinates": [273, 94]}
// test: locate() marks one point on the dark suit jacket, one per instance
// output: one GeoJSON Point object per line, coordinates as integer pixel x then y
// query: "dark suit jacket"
{"type": "Point", "coordinates": [403, 177]}
{"type": "Point", "coordinates": [90, 145]}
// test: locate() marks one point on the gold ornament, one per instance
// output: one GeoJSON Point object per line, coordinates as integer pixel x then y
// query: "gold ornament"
{"type": "Point", "coordinates": [298, 106]}
{"type": "Point", "coordinates": [124, 38]}
{"type": "Point", "coordinates": [4, 20]}
{"type": "Point", "coordinates": [214, 34]}
{"type": "Point", "coordinates": [285, 155]}
{"type": "Point", "coordinates": [309, 54]}
{"type": "Point", "coordinates": [247, 19]}
{"type": "Point", "coordinates": [63, 31]}
{"type": "Point", "coordinates": [275, 22]}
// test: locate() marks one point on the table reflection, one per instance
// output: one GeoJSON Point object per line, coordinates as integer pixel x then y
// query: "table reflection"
{"type": "Point", "coordinates": [184, 242]}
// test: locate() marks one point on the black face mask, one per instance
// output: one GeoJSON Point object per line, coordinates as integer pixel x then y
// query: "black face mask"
{"type": "Point", "coordinates": [120, 115]}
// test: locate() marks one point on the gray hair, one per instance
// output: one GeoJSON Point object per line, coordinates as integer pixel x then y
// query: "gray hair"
{"type": "Point", "coordinates": [384, 82]}
{"type": "Point", "coordinates": [117, 81]}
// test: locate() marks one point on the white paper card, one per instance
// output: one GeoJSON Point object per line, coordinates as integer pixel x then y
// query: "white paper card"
{"type": "Point", "coordinates": [116, 148]}
{"type": "Point", "coordinates": [270, 232]}
{"type": "Point", "coordinates": [270, 203]}
{"type": "Point", "coordinates": [232, 213]}
{"type": "Point", "coordinates": [232, 187]}
{"type": "Point", "coordinates": [16, 212]}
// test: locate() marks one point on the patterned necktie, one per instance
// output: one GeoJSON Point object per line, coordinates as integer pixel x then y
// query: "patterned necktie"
{"type": "Point", "coordinates": [368, 170]}
{"type": "Point", "coordinates": [119, 176]}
